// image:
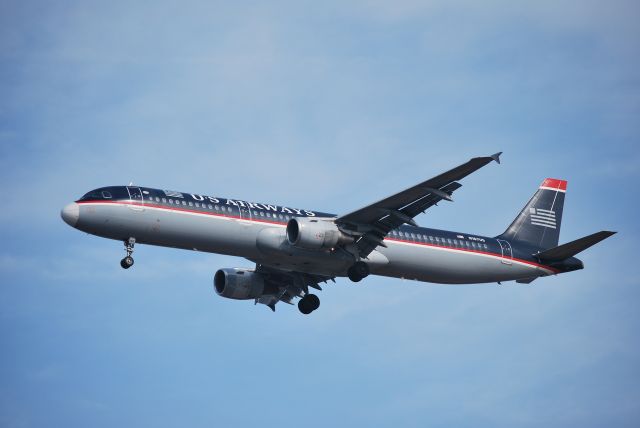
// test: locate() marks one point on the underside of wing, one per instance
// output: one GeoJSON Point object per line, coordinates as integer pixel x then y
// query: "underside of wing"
{"type": "Point", "coordinates": [287, 285]}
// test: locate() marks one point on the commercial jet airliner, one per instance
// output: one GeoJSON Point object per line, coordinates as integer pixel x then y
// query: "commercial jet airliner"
{"type": "Point", "coordinates": [295, 250]}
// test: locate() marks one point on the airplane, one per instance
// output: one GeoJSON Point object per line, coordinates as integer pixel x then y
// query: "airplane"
{"type": "Point", "coordinates": [295, 250]}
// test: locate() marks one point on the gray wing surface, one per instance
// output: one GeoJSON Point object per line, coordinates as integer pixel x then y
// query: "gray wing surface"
{"type": "Point", "coordinates": [289, 284]}
{"type": "Point", "coordinates": [372, 223]}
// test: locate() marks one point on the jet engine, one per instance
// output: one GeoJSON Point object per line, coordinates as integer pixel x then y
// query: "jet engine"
{"type": "Point", "coordinates": [315, 233]}
{"type": "Point", "coordinates": [238, 283]}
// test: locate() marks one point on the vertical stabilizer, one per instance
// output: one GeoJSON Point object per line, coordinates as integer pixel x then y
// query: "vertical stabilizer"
{"type": "Point", "coordinates": [539, 221]}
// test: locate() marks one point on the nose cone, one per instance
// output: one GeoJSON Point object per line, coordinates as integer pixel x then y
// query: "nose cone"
{"type": "Point", "coordinates": [70, 214]}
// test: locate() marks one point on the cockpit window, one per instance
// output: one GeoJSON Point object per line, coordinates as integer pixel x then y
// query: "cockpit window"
{"type": "Point", "coordinates": [92, 195]}
{"type": "Point", "coordinates": [113, 192]}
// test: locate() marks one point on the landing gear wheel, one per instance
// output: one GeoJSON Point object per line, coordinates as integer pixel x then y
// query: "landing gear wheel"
{"type": "Point", "coordinates": [127, 262]}
{"type": "Point", "coordinates": [353, 276]}
{"type": "Point", "coordinates": [314, 301]}
{"type": "Point", "coordinates": [358, 271]}
{"type": "Point", "coordinates": [308, 304]}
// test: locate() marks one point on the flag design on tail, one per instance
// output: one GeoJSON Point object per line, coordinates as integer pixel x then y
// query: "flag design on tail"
{"type": "Point", "coordinates": [544, 218]}
{"type": "Point", "coordinates": [539, 221]}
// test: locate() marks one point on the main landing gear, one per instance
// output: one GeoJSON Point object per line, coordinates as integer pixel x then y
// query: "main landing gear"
{"type": "Point", "coordinates": [127, 262]}
{"type": "Point", "coordinates": [358, 271]}
{"type": "Point", "coordinates": [308, 304]}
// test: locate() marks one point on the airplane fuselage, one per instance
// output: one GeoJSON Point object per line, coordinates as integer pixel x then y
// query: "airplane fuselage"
{"type": "Point", "coordinates": [257, 232]}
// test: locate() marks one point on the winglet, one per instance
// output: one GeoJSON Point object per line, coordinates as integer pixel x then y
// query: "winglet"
{"type": "Point", "coordinates": [496, 157]}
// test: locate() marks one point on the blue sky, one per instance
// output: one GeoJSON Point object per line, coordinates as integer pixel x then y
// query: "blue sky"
{"type": "Point", "coordinates": [326, 106]}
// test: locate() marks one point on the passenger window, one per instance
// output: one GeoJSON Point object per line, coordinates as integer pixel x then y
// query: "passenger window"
{"type": "Point", "coordinates": [106, 195]}
{"type": "Point", "coordinates": [210, 206]}
{"type": "Point", "coordinates": [190, 203]}
{"type": "Point", "coordinates": [164, 200]}
{"type": "Point", "coordinates": [198, 204]}
{"type": "Point", "coordinates": [171, 201]}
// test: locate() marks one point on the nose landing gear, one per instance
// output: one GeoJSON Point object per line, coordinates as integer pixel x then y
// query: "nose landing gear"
{"type": "Point", "coordinates": [127, 261]}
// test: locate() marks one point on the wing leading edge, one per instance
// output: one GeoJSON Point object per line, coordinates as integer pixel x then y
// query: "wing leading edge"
{"type": "Point", "coordinates": [372, 223]}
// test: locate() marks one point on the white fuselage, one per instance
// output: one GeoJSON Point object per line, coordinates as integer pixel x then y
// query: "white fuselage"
{"type": "Point", "coordinates": [262, 240]}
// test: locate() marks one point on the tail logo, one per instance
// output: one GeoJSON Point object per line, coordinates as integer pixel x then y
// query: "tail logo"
{"type": "Point", "coordinates": [544, 218]}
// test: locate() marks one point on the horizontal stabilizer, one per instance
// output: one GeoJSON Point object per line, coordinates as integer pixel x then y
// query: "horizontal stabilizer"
{"type": "Point", "coordinates": [572, 248]}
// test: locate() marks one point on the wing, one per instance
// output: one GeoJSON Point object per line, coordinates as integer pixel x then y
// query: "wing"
{"type": "Point", "coordinates": [289, 285]}
{"type": "Point", "coordinates": [372, 223]}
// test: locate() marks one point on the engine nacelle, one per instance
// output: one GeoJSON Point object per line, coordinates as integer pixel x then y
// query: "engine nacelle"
{"type": "Point", "coordinates": [240, 284]}
{"type": "Point", "coordinates": [315, 233]}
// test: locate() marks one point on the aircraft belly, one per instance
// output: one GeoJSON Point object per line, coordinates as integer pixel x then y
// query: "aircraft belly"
{"type": "Point", "coordinates": [166, 228]}
{"type": "Point", "coordinates": [448, 266]}
{"type": "Point", "coordinates": [204, 233]}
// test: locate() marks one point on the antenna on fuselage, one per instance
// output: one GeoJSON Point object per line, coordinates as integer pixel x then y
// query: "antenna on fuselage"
{"type": "Point", "coordinates": [131, 183]}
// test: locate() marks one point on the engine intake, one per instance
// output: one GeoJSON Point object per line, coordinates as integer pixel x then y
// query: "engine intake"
{"type": "Point", "coordinates": [315, 234]}
{"type": "Point", "coordinates": [239, 284]}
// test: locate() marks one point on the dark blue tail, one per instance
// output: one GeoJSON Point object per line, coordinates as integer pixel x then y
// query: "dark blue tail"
{"type": "Point", "coordinates": [539, 221]}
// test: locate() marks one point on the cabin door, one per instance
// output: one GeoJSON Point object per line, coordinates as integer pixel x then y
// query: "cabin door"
{"type": "Point", "coordinates": [507, 252]}
{"type": "Point", "coordinates": [135, 194]}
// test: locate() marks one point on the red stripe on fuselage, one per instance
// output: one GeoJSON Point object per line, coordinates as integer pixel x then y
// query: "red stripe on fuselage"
{"type": "Point", "coordinates": [485, 253]}
{"type": "Point", "coordinates": [180, 209]}
{"type": "Point", "coordinates": [187, 210]}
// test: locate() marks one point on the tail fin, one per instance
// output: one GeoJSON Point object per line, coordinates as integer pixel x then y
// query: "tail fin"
{"type": "Point", "coordinates": [539, 221]}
